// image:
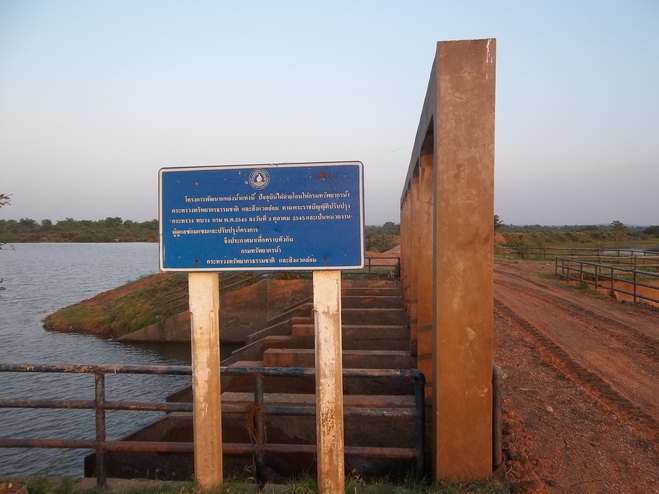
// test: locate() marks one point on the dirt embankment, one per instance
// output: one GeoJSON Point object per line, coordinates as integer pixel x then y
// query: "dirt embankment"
{"type": "Point", "coordinates": [120, 311]}
{"type": "Point", "coordinates": [581, 411]}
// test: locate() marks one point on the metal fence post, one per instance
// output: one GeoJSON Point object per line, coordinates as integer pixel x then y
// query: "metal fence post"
{"type": "Point", "coordinates": [259, 425]}
{"type": "Point", "coordinates": [99, 412]}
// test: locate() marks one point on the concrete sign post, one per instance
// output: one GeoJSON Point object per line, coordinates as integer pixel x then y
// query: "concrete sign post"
{"type": "Point", "coordinates": [276, 217]}
{"type": "Point", "coordinates": [204, 292]}
{"type": "Point", "coordinates": [329, 380]}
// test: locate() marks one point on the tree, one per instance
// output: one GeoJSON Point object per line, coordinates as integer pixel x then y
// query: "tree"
{"type": "Point", "coordinates": [27, 224]}
{"type": "Point", "coordinates": [497, 222]}
{"type": "Point", "coordinates": [115, 222]}
{"type": "Point", "coordinates": [652, 230]}
{"type": "Point", "coordinates": [619, 229]}
{"type": "Point", "coordinates": [391, 228]}
{"type": "Point", "coordinates": [5, 200]}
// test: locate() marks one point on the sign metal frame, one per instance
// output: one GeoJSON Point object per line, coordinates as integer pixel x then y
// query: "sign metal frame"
{"type": "Point", "coordinates": [263, 217]}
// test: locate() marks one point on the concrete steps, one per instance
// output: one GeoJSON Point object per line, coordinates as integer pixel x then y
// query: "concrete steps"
{"type": "Point", "coordinates": [352, 359]}
{"type": "Point", "coordinates": [371, 291]}
{"type": "Point", "coordinates": [358, 336]}
{"type": "Point", "coordinates": [375, 335]}
{"type": "Point", "coordinates": [376, 301]}
{"type": "Point", "coordinates": [373, 316]}
{"type": "Point", "coordinates": [281, 328]}
{"type": "Point", "coordinates": [360, 430]}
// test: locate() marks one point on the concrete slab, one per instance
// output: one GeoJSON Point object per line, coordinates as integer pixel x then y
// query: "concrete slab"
{"type": "Point", "coordinates": [352, 359]}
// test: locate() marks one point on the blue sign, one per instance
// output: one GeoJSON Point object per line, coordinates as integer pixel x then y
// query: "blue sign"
{"type": "Point", "coordinates": [306, 216]}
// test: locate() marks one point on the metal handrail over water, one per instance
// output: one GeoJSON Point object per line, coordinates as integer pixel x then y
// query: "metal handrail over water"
{"type": "Point", "coordinates": [100, 405]}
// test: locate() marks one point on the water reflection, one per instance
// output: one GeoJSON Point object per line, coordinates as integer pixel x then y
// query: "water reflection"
{"type": "Point", "coordinates": [39, 279]}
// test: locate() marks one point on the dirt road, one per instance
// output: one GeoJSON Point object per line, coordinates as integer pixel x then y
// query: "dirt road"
{"type": "Point", "coordinates": [581, 400]}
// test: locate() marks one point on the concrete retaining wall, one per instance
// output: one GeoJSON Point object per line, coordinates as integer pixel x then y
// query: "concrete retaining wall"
{"type": "Point", "coordinates": [241, 312]}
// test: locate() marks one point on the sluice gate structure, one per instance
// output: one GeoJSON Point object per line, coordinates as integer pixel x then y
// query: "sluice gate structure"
{"type": "Point", "coordinates": [443, 328]}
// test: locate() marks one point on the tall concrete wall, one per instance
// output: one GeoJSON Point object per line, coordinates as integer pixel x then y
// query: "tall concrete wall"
{"type": "Point", "coordinates": [447, 211]}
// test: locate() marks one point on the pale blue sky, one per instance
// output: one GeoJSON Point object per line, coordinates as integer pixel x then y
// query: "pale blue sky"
{"type": "Point", "coordinates": [95, 97]}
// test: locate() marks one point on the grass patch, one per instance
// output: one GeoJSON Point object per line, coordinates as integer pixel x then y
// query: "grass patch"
{"type": "Point", "coordinates": [120, 311]}
{"type": "Point", "coordinates": [298, 485]}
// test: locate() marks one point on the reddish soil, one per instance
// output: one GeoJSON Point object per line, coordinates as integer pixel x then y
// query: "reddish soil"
{"type": "Point", "coordinates": [581, 387]}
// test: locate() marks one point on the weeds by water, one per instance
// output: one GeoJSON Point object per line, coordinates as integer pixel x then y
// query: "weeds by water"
{"type": "Point", "coordinates": [43, 485]}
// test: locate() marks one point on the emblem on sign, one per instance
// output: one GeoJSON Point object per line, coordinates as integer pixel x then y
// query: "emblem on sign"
{"type": "Point", "coordinates": [259, 179]}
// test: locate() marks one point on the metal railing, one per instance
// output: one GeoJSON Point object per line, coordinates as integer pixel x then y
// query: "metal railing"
{"type": "Point", "coordinates": [100, 405]}
{"type": "Point", "coordinates": [387, 262]}
{"type": "Point", "coordinates": [606, 276]}
{"type": "Point", "coordinates": [176, 301]}
{"type": "Point", "coordinates": [645, 261]}
{"type": "Point", "coordinates": [549, 253]}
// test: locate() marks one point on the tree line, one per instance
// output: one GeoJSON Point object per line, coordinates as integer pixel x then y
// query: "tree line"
{"type": "Point", "coordinates": [615, 230]}
{"type": "Point", "coordinates": [382, 238]}
{"type": "Point", "coordinates": [378, 238]}
{"type": "Point", "coordinates": [70, 230]}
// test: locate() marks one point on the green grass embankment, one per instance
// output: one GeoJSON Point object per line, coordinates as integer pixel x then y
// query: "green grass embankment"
{"type": "Point", "coordinates": [148, 300]}
{"type": "Point", "coordinates": [120, 311]}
